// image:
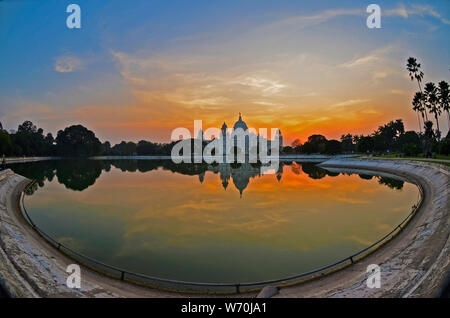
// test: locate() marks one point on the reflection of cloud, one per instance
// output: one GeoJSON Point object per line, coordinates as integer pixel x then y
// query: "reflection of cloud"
{"type": "Point", "coordinates": [360, 240]}
{"type": "Point", "coordinates": [67, 64]}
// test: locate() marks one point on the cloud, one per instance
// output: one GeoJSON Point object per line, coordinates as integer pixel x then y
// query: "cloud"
{"type": "Point", "coordinates": [415, 9]}
{"type": "Point", "coordinates": [266, 85]}
{"type": "Point", "coordinates": [303, 21]}
{"type": "Point", "coordinates": [399, 11]}
{"type": "Point", "coordinates": [67, 64]}
{"type": "Point", "coordinates": [361, 61]}
{"type": "Point", "coordinates": [376, 56]}
{"type": "Point", "coordinates": [351, 102]}
{"type": "Point", "coordinates": [398, 92]}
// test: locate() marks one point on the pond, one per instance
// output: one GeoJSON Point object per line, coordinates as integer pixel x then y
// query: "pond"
{"type": "Point", "coordinates": [212, 223]}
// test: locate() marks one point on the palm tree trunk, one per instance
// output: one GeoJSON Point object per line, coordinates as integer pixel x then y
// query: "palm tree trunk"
{"type": "Point", "coordinates": [437, 124]}
{"type": "Point", "coordinates": [448, 115]}
{"type": "Point", "coordinates": [425, 109]}
{"type": "Point", "coordinates": [418, 118]}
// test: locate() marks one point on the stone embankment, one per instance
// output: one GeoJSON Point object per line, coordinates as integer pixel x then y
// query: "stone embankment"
{"type": "Point", "coordinates": [415, 263]}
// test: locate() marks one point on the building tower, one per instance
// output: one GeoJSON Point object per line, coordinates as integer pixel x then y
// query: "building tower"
{"type": "Point", "coordinates": [224, 138]}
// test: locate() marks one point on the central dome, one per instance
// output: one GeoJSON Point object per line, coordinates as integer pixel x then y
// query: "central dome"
{"type": "Point", "coordinates": [240, 124]}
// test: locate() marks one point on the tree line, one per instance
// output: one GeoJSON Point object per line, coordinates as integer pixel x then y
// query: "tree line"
{"type": "Point", "coordinates": [432, 101]}
{"type": "Point", "coordinates": [73, 141]}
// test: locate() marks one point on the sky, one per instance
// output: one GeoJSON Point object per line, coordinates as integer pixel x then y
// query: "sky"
{"type": "Point", "coordinates": [139, 69]}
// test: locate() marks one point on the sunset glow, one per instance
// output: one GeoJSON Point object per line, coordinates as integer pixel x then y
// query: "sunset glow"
{"type": "Point", "coordinates": [137, 71]}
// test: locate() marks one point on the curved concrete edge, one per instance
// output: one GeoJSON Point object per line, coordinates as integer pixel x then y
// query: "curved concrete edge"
{"type": "Point", "coordinates": [416, 262]}
{"type": "Point", "coordinates": [30, 267]}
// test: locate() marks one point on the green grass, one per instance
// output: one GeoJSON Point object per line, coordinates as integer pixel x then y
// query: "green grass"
{"type": "Point", "coordinates": [397, 155]}
{"type": "Point", "coordinates": [434, 162]}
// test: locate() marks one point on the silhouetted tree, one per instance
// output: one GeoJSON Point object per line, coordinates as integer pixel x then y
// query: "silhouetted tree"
{"type": "Point", "coordinates": [418, 106]}
{"type": "Point", "coordinates": [432, 103]}
{"type": "Point", "coordinates": [413, 68]}
{"type": "Point", "coordinates": [77, 141]}
{"type": "Point", "coordinates": [444, 98]}
{"type": "Point", "coordinates": [347, 143]}
{"type": "Point", "coordinates": [365, 144]}
{"type": "Point", "coordinates": [332, 147]}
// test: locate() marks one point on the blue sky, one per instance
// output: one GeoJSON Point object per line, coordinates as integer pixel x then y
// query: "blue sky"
{"type": "Point", "coordinates": [137, 69]}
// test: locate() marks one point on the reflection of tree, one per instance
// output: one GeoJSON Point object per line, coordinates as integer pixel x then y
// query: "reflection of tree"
{"type": "Point", "coordinates": [38, 171]}
{"type": "Point", "coordinates": [31, 189]}
{"type": "Point", "coordinates": [132, 165]}
{"type": "Point", "coordinates": [313, 171]}
{"type": "Point", "coordinates": [78, 174]}
{"type": "Point", "coordinates": [391, 183]}
{"type": "Point", "coordinates": [296, 168]}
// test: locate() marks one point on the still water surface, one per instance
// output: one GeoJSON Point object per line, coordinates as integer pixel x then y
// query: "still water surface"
{"type": "Point", "coordinates": [212, 223]}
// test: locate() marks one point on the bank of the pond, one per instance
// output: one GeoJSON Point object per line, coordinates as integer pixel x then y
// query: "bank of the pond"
{"type": "Point", "coordinates": [28, 159]}
{"type": "Point", "coordinates": [413, 264]}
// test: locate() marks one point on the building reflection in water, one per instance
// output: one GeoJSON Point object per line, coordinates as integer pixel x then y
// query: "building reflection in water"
{"type": "Point", "coordinates": [80, 174]}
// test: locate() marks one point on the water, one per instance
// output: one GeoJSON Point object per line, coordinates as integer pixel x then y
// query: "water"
{"type": "Point", "coordinates": [212, 223]}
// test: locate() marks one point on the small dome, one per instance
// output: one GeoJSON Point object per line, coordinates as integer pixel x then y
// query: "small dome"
{"type": "Point", "coordinates": [240, 124]}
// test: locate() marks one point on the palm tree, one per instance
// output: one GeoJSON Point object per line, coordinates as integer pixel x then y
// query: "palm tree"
{"type": "Point", "coordinates": [417, 103]}
{"type": "Point", "coordinates": [432, 103]}
{"type": "Point", "coordinates": [415, 73]}
{"type": "Point", "coordinates": [444, 98]}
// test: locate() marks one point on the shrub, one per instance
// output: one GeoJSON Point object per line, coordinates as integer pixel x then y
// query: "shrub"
{"type": "Point", "coordinates": [411, 149]}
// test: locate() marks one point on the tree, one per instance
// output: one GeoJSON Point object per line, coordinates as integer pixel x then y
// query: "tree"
{"type": "Point", "coordinates": [288, 150]}
{"type": "Point", "coordinates": [409, 137]}
{"type": "Point", "coordinates": [444, 98]}
{"type": "Point", "coordinates": [77, 141]}
{"type": "Point", "coordinates": [5, 143]}
{"type": "Point", "coordinates": [317, 143]}
{"type": "Point", "coordinates": [106, 148]}
{"type": "Point", "coordinates": [332, 147]}
{"type": "Point", "coordinates": [415, 73]}
{"type": "Point", "coordinates": [296, 143]}
{"type": "Point", "coordinates": [347, 143]}
{"type": "Point", "coordinates": [365, 144]}
{"type": "Point", "coordinates": [386, 136]}
{"type": "Point", "coordinates": [411, 149]}
{"type": "Point", "coordinates": [418, 102]}
{"type": "Point", "coordinates": [27, 127]}
{"type": "Point", "coordinates": [308, 148]}
{"type": "Point", "coordinates": [297, 146]}
{"type": "Point", "coordinates": [432, 103]}
{"type": "Point", "coordinates": [430, 137]}
{"type": "Point", "coordinates": [30, 140]}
